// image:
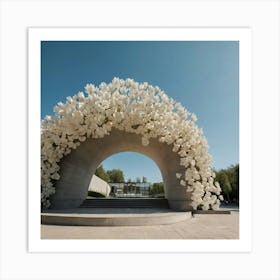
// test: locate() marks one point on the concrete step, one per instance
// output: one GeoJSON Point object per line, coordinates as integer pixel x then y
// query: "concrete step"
{"type": "Point", "coordinates": [125, 203]}
{"type": "Point", "coordinates": [108, 217]}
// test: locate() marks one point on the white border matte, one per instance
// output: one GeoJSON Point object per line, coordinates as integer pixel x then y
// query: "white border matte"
{"type": "Point", "coordinates": [243, 35]}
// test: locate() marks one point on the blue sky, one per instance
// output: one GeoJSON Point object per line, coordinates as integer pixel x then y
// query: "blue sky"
{"type": "Point", "coordinates": [202, 75]}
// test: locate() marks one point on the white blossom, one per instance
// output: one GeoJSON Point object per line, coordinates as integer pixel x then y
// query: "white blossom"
{"type": "Point", "coordinates": [183, 183]}
{"type": "Point", "coordinates": [178, 175]}
{"type": "Point", "coordinates": [145, 141]}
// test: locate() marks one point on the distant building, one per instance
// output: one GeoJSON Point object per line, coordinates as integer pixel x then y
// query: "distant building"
{"type": "Point", "coordinates": [130, 189]}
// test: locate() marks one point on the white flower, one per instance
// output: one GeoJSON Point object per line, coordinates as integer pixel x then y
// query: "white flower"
{"type": "Point", "coordinates": [215, 206]}
{"type": "Point", "coordinates": [183, 183]}
{"type": "Point", "coordinates": [55, 176]}
{"type": "Point", "coordinates": [193, 118]}
{"type": "Point", "coordinates": [178, 175]}
{"type": "Point", "coordinates": [205, 207]}
{"type": "Point", "coordinates": [81, 96]}
{"type": "Point", "coordinates": [145, 141]}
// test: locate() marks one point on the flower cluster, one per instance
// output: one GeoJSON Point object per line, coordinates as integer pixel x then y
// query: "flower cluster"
{"type": "Point", "coordinates": [135, 108]}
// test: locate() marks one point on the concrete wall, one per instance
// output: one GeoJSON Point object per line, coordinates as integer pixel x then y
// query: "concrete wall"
{"type": "Point", "coordinates": [77, 168]}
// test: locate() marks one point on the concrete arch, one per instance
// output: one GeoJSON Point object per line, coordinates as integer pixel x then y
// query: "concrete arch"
{"type": "Point", "coordinates": [76, 169]}
{"type": "Point", "coordinates": [138, 111]}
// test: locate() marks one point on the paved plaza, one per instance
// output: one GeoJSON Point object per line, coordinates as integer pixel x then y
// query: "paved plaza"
{"type": "Point", "coordinates": [201, 226]}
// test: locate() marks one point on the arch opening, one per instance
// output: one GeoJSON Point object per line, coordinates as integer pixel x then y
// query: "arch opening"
{"type": "Point", "coordinates": [128, 174]}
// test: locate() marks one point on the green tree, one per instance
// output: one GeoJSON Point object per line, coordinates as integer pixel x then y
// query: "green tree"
{"type": "Point", "coordinates": [144, 179]}
{"type": "Point", "coordinates": [116, 176]}
{"type": "Point", "coordinates": [232, 173]}
{"type": "Point", "coordinates": [233, 176]}
{"type": "Point", "coordinates": [157, 188]}
{"type": "Point", "coordinates": [223, 179]}
{"type": "Point", "coordinates": [102, 174]}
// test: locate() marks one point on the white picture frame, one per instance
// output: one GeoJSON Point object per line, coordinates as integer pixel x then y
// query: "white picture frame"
{"type": "Point", "coordinates": [242, 35]}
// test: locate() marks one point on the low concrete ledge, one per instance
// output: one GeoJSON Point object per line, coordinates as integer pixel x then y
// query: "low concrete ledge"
{"type": "Point", "coordinates": [211, 212]}
{"type": "Point", "coordinates": [68, 219]}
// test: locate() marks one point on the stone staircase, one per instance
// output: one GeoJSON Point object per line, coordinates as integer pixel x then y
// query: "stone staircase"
{"type": "Point", "coordinates": [125, 203]}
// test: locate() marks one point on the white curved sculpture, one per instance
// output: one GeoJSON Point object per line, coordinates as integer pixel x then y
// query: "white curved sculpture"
{"type": "Point", "coordinates": [131, 107]}
{"type": "Point", "coordinates": [100, 186]}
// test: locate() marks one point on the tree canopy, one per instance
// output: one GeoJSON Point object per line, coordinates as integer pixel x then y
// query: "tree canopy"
{"type": "Point", "coordinates": [229, 182]}
{"type": "Point", "coordinates": [157, 188]}
{"type": "Point", "coordinates": [110, 176]}
{"type": "Point", "coordinates": [116, 176]}
{"type": "Point", "coordinates": [102, 174]}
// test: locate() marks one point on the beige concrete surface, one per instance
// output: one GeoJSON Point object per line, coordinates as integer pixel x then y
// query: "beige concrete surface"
{"type": "Point", "coordinates": [202, 226]}
{"type": "Point", "coordinates": [113, 217]}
